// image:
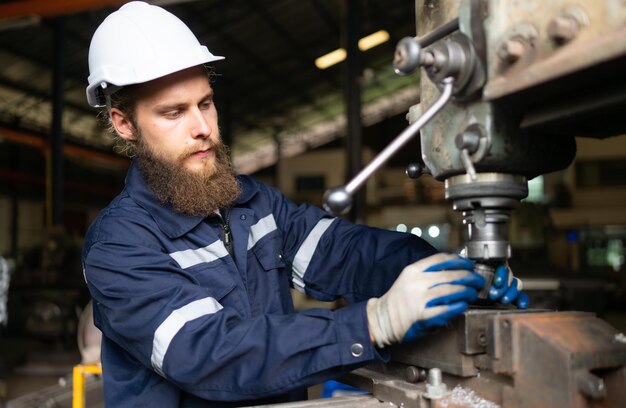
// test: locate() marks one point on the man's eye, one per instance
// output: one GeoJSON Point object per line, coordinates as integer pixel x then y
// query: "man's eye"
{"type": "Point", "coordinates": [171, 114]}
{"type": "Point", "coordinates": [206, 105]}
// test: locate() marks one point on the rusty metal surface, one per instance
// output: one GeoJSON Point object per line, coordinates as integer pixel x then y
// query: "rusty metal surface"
{"type": "Point", "coordinates": [510, 150]}
{"type": "Point", "coordinates": [452, 348]}
{"type": "Point", "coordinates": [518, 359]}
{"type": "Point", "coordinates": [548, 355]}
{"type": "Point", "coordinates": [553, 68]}
{"type": "Point", "coordinates": [598, 36]}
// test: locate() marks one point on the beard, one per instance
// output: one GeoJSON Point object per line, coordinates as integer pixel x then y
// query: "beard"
{"type": "Point", "coordinates": [192, 193]}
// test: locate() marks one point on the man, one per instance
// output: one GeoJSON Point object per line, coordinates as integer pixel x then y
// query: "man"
{"type": "Point", "coordinates": [190, 267]}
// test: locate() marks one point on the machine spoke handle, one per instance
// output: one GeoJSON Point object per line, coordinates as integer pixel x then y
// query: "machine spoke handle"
{"type": "Point", "coordinates": [410, 54]}
{"type": "Point", "coordinates": [338, 200]}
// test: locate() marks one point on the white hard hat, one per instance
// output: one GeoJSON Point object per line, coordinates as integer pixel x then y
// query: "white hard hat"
{"type": "Point", "coordinates": [139, 43]}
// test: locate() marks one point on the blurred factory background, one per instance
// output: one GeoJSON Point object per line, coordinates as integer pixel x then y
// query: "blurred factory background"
{"type": "Point", "coordinates": [285, 121]}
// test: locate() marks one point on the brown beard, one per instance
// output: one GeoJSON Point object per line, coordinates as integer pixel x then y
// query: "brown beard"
{"type": "Point", "coordinates": [198, 194]}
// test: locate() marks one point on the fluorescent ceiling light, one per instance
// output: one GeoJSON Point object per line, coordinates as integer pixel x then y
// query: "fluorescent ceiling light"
{"type": "Point", "coordinates": [330, 59]}
{"type": "Point", "coordinates": [373, 40]}
{"type": "Point", "coordinates": [338, 55]}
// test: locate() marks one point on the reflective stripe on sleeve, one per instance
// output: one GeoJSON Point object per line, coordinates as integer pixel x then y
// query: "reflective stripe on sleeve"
{"type": "Point", "coordinates": [260, 229]}
{"type": "Point", "coordinates": [305, 252]}
{"type": "Point", "coordinates": [174, 322]}
{"type": "Point", "coordinates": [192, 257]}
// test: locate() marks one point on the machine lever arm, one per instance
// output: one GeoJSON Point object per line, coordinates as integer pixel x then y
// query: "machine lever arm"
{"type": "Point", "coordinates": [338, 200]}
{"type": "Point", "coordinates": [438, 33]}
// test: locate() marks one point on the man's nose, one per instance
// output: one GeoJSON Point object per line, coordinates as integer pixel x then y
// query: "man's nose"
{"type": "Point", "coordinates": [200, 125]}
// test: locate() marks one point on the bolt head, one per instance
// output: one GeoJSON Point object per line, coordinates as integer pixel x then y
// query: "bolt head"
{"type": "Point", "coordinates": [511, 50]}
{"type": "Point", "coordinates": [414, 374]}
{"type": "Point", "coordinates": [562, 29]}
{"type": "Point", "coordinates": [469, 140]}
{"type": "Point", "coordinates": [481, 339]}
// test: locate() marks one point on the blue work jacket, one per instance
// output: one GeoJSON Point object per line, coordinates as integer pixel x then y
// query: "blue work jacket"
{"type": "Point", "coordinates": [188, 323]}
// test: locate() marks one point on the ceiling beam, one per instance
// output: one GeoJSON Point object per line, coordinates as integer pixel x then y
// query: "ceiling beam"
{"type": "Point", "coordinates": [37, 93]}
{"type": "Point", "coordinates": [279, 80]}
{"type": "Point", "coordinates": [283, 80]}
{"type": "Point", "coordinates": [331, 23]}
{"type": "Point", "coordinates": [54, 8]}
{"type": "Point", "coordinates": [47, 8]}
{"type": "Point", "coordinates": [297, 50]}
{"type": "Point", "coordinates": [39, 142]}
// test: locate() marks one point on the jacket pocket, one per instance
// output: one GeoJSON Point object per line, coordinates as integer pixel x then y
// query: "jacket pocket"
{"type": "Point", "coordinates": [274, 294]}
{"type": "Point", "coordinates": [215, 278]}
{"type": "Point", "coordinates": [269, 254]}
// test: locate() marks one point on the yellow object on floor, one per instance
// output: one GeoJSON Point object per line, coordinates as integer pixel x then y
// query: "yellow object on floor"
{"type": "Point", "coordinates": [78, 385]}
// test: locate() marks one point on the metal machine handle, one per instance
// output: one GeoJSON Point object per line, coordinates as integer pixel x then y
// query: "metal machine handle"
{"type": "Point", "coordinates": [338, 200]}
{"type": "Point", "coordinates": [410, 52]}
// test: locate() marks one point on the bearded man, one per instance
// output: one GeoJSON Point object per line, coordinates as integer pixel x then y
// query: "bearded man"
{"type": "Point", "coordinates": [191, 267]}
{"type": "Point", "coordinates": [192, 172]}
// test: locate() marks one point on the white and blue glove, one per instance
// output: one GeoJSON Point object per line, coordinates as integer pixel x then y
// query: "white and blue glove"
{"type": "Point", "coordinates": [427, 294]}
{"type": "Point", "coordinates": [507, 289]}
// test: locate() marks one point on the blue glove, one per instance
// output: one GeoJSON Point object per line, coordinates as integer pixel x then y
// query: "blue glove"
{"type": "Point", "coordinates": [457, 302]}
{"type": "Point", "coordinates": [507, 289]}
{"type": "Point", "coordinates": [426, 294]}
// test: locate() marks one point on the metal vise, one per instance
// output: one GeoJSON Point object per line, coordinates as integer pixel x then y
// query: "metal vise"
{"type": "Point", "coordinates": [506, 358]}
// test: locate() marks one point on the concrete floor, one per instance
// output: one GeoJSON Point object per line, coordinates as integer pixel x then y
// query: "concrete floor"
{"type": "Point", "coordinates": [32, 365]}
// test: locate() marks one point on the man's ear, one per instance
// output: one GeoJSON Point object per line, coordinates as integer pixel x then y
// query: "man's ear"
{"type": "Point", "coordinates": [122, 124]}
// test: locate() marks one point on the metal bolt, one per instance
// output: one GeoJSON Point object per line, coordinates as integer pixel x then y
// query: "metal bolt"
{"type": "Point", "coordinates": [511, 50]}
{"type": "Point", "coordinates": [435, 388]}
{"type": "Point", "coordinates": [563, 29]}
{"type": "Point", "coordinates": [434, 376]}
{"type": "Point", "coordinates": [414, 374]}
{"type": "Point", "coordinates": [481, 338]}
{"type": "Point", "coordinates": [469, 140]}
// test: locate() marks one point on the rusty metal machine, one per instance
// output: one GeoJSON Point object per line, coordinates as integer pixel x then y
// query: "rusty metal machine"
{"type": "Point", "coordinates": [506, 86]}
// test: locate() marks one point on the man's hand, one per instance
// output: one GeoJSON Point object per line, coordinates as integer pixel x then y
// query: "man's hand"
{"type": "Point", "coordinates": [428, 293]}
{"type": "Point", "coordinates": [507, 289]}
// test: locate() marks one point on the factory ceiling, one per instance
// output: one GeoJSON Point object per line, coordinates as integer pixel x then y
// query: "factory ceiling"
{"type": "Point", "coordinates": [268, 89]}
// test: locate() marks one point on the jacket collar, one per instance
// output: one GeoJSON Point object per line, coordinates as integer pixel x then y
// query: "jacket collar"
{"type": "Point", "coordinates": [172, 223]}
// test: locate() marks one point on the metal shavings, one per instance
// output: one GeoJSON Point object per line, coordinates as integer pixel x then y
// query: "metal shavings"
{"type": "Point", "coordinates": [466, 398]}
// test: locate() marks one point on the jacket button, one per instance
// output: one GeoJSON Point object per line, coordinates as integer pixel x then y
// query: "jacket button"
{"type": "Point", "coordinates": [356, 349]}
{"type": "Point", "coordinates": [242, 217]}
